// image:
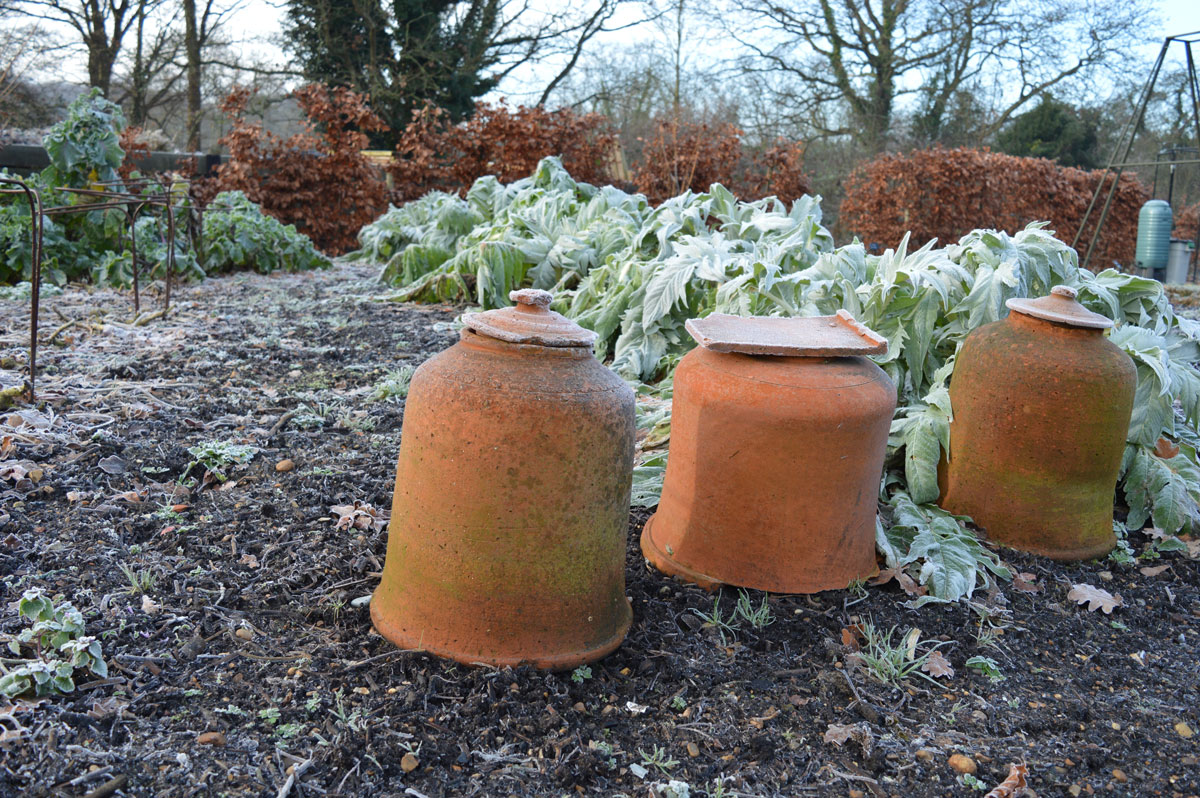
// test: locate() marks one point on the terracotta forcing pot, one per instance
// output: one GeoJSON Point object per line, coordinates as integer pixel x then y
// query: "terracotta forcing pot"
{"type": "Point", "coordinates": [1041, 405]}
{"type": "Point", "coordinates": [507, 536]}
{"type": "Point", "coordinates": [778, 433]}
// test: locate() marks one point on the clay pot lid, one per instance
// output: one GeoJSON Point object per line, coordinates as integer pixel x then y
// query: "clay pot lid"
{"type": "Point", "coordinates": [815, 336]}
{"type": "Point", "coordinates": [530, 322]}
{"type": "Point", "coordinates": [1060, 307]}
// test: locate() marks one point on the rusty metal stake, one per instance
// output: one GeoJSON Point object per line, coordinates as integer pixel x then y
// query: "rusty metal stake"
{"type": "Point", "coordinates": [35, 230]}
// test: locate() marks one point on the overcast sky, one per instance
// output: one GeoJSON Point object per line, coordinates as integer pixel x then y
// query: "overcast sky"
{"type": "Point", "coordinates": [255, 28]}
{"type": "Point", "coordinates": [259, 20]}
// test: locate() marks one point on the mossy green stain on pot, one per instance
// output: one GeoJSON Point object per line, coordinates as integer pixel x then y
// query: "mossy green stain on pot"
{"type": "Point", "coordinates": [1041, 412]}
{"type": "Point", "coordinates": [507, 539]}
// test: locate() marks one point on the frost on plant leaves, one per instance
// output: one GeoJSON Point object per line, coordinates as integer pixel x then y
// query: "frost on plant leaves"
{"type": "Point", "coordinates": [986, 666]}
{"type": "Point", "coordinates": [50, 651]}
{"type": "Point", "coordinates": [634, 273]}
{"type": "Point", "coordinates": [359, 515]}
{"type": "Point", "coordinates": [219, 457]}
{"type": "Point", "coordinates": [938, 666]}
{"type": "Point", "coordinates": [950, 558]}
{"type": "Point", "coordinates": [1095, 598]}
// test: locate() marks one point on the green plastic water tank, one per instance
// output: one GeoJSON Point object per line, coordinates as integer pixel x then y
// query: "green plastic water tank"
{"type": "Point", "coordinates": [1153, 235]}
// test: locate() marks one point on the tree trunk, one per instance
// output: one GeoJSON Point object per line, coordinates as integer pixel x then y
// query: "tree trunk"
{"type": "Point", "coordinates": [141, 77]}
{"type": "Point", "coordinates": [100, 62]}
{"type": "Point", "coordinates": [192, 47]}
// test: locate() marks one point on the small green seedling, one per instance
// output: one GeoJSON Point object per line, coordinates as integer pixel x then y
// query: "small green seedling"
{"type": "Point", "coordinates": [758, 617]}
{"type": "Point", "coordinates": [307, 418]}
{"type": "Point", "coordinates": [581, 674]}
{"type": "Point", "coordinates": [974, 783]}
{"type": "Point", "coordinates": [892, 663]}
{"type": "Point", "coordinates": [987, 666]}
{"type": "Point", "coordinates": [605, 750]}
{"type": "Point", "coordinates": [218, 457]}
{"type": "Point", "coordinates": [717, 620]}
{"type": "Point", "coordinates": [289, 730]}
{"type": "Point", "coordinates": [51, 650]}
{"type": "Point", "coordinates": [393, 386]}
{"type": "Point", "coordinates": [657, 758]}
{"type": "Point", "coordinates": [141, 581]}
{"type": "Point", "coordinates": [168, 513]}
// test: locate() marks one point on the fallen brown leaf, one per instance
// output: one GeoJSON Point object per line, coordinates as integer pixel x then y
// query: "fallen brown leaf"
{"type": "Point", "coordinates": [906, 582]}
{"type": "Point", "coordinates": [1011, 786]}
{"type": "Point", "coordinates": [938, 666]}
{"type": "Point", "coordinates": [359, 515]}
{"type": "Point", "coordinates": [1165, 449]}
{"type": "Point", "coordinates": [1155, 570]}
{"type": "Point", "coordinates": [1096, 598]}
{"type": "Point", "coordinates": [850, 639]}
{"type": "Point", "coordinates": [1026, 583]}
{"type": "Point", "coordinates": [112, 465]}
{"type": "Point", "coordinates": [838, 734]}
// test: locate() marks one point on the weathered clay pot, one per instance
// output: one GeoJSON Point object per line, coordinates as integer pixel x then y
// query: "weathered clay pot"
{"type": "Point", "coordinates": [778, 433]}
{"type": "Point", "coordinates": [1041, 404]}
{"type": "Point", "coordinates": [507, 536]}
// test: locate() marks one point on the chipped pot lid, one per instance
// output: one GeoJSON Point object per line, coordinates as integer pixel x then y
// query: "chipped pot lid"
{"type": "Point", "coordinates": [1060, 307]}
{"type": "Point", "coordinates": [530, 322]}
{"type": "Point", "coordinates": [815, 336]}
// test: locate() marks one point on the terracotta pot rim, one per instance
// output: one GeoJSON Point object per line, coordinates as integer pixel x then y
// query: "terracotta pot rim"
{"type": "Point", "coordinates": [474, 338]}
{"type": "Point", "coordinates": [557, 662]}
{"type": "Point", "coordinates": [1016, 317]}
{"type": "Point", "coordinates": [663, 562]}
{"type": "Point", "coordinates": [666, 564]}
{"type": "Point", "coordinates": [790, 361]}
{"type": "Point", "coordinates": [1078, 554]}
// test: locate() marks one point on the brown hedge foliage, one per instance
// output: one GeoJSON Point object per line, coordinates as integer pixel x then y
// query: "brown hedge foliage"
{"type": "Point", "coordinates": [693, 155]}
{"type": "Point", "coordinates": [317, 180]}
{"type": "Point", "coordinates": [941, 193]}
{"type": "Point", "coordinates": [133, 146]}
{"type": "Point", "coordinates": [435, 154]}
{"type": "Point", "coordinates": [1186, 220]}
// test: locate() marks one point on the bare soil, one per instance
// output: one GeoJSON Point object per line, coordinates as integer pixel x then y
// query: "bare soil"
{"type": "Point", "coordinates": [251, 628]}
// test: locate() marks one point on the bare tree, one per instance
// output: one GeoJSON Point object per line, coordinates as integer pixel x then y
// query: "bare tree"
{"type": "Point", "coordinates": [574, 38]}
{"type": "Point", "coordinates": [101, 24]}
{"type": "Point", "coordinates": [151, 78]}
{"type": "Point", "coordinates": [26, 50]}
{"type": "Point", "coordinates": [202, 23]}
{"type": "Point", "coordinates": [841, 66]}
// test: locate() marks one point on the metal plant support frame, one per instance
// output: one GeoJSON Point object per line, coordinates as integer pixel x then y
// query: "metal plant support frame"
{"type": "Point", "coordinates": [132, 204]}
{"type": "Point", "coordinates": [35, 238]}
{"type": "Point", "coordinates": [1119, 161]}
{"type": "Point", "coordinates": [108, 199]}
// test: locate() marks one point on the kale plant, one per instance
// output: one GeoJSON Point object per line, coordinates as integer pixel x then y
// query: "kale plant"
{"type": "Point", "coordinates": [240, 236]}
